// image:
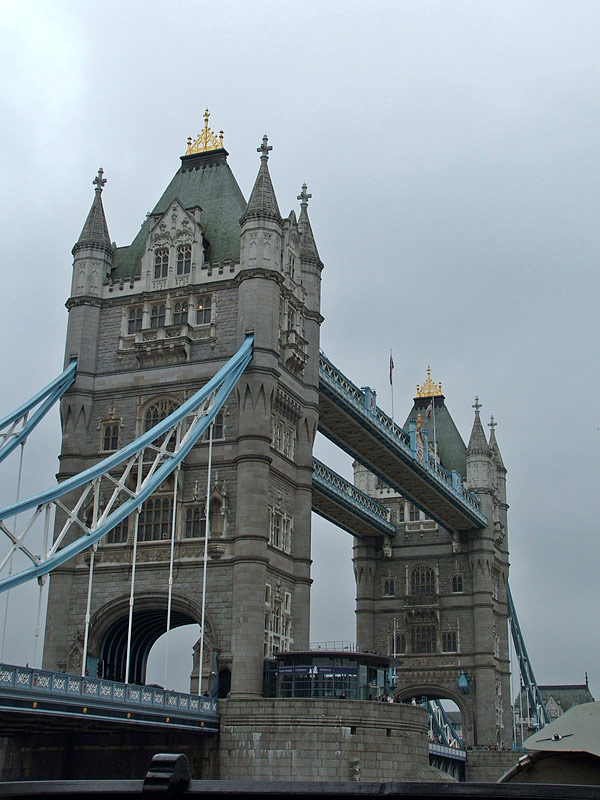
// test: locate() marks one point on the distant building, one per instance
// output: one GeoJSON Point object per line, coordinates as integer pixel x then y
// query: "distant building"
{"type": "Point", "coordinates": [557, 699]}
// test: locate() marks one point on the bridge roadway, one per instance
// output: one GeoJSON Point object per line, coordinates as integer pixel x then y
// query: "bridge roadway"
{"type": "Point", "coordinates": [33, 693]}
{"type": "Point", "coordinates": [349, 418]}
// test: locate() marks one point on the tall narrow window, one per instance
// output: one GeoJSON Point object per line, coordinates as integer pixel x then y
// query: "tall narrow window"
{"type": "Point", "coordinates": [156, 412]}
{"type": "Point", "coordinates": [204, 310]}
{"type": "Point", "coordinates": [218, 428]}
{"type": "Point", "coordinates": [423, 639]}
{"type": "Point", "coordinates": [195, 522]}
{"type": "Point", "coordinates": [157, 316]}
{"type": "Point", "coordinates": [449, 642]}
{"type": "Point", "coordinates": [388, 587]}
{"type": "Point", "coordinates": [161, 262]}
{"type": "Point", "coordinates": [155, 519]}
{"type": "Point", "coordinates": [422, 580]}
{"type": "Point", "coordinates": [110, 440]}
{"type": "Point", "coordinates": [135, 320]}
{"type": "Point", "coordinates": [184, 259]}
{"type": "Point", "coordinates": [180, 313]}
{"type": "Point", "coordinates": [413, 513]}
{"type": "Point", "coordinates": [457, 583]}
{"type": "Point", "coordinates": [118, 535]}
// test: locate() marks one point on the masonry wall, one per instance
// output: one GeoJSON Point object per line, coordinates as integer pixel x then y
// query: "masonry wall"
{"type": "Point", "coordinates": [323, 740]}
{"type": "Point", "coordinates": [488, 766]}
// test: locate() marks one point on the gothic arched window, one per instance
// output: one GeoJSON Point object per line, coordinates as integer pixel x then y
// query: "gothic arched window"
{"type": "Point", "coordinates": [218, 428]}
{"type": "Point", "coordinates": [110, 438]}
{"type": "Point", "coordinates": [135, 320]}
{"type": "Point", "coordinates": [204, 310]}
{"type": "Point", "coordinates": [423, 639]}
{"type": "Point", "coordinates": [184, 259]}
{"type": "Point", "coordinates": [157, 411]}
{"type": "Point", "coordinates": [195, 522]}
{"type": "Point", "coordinates": [388, 586]}
{"type": "Point", "coordinates": [180, 313]}
{"type": "Point", "coordinates": [457, 583]}
{"type": "Point", "coordinates": [161, 262]}
{"type": "Point", "coordinates": [157, 316]}
{"type": "Point", "coordinates": [155, 519]}
{"type": "Point", "coordinates": [118, 535]}
{"type": "Point", "coordinates": [422, 580]}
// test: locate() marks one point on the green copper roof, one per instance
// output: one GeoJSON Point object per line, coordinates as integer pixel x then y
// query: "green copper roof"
{"type": "Point", "coordinates": [450, 445]}
{"type": "Point", "coordinates": [204, 180]}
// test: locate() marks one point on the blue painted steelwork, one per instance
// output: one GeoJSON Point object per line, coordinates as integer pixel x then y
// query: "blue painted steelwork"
{"type": "Point", "coordinates": [534, 697]}
{"type": "Point", "coordinates": [214, 393]}
{"type": "Point", "coordinates": [442, 728]}
{"type": "Point", "coordinates": [348, 496]}
{"type": "Point", "coordinates": [361, 406]}
{"type": "Point", "coordinates": [12, 437]}
{"type": "Point", "coordinates": [445, 751]}
{"type": "Point", "coordinates": [57, 691]}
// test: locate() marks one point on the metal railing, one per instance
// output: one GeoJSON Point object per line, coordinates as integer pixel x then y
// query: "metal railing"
{"type": "Point", "coordinates": [352, 497]}
{"type": "Point", "coordinates": [31, 681]}
{"type": "Point", "coordinates": [353, 398]}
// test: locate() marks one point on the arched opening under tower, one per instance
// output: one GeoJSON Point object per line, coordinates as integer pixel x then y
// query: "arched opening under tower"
{"type": "Point", "coordinates": [147, 627]}
{"type": "Point", "coordinates": [171, 658]}
{"type": "Point", "coordinates": [453, 724]}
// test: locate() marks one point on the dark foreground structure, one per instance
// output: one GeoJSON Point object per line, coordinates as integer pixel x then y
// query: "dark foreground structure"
{"type": "Point", "coordinates": [169, 775]}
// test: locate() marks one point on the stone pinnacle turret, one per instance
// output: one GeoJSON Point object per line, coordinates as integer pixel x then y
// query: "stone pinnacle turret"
{"type": "Point", "coordinates": [94, 233]}
{"type": "Point", "coordinates": [262, 200]}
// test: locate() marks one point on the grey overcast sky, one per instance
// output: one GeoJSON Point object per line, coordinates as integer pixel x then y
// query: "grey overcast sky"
{"type": "Point", "coordinates": [452, 151]}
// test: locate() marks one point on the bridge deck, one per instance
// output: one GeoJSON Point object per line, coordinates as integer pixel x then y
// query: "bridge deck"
{"type": "Point", "coordinates": [338, 501]}
{"type": "Point", "coordinates": [36, 691]}
{"type": "Point", "coordinates": [372, 438]}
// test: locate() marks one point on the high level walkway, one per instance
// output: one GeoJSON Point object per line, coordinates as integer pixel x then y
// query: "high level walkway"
{"type": "Point", "coordinates": [350, 418]}
{"type": "Point", "coordinates": [340, 502]}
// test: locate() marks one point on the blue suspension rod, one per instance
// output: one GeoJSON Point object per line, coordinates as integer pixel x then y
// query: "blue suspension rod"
{"type": "Point", "coordinates": [49, 394]}
{"type": "Point", "coordinates": [222, 383]}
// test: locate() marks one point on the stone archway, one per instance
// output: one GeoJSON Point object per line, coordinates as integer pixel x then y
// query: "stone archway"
{"type": "Point", "coordinates": [109, 632]}
{"type": "Point", "coordinates": [438, 692]}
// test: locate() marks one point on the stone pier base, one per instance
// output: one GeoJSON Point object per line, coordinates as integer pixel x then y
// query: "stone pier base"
{"type": "Point", "coordinates": [323, 740]}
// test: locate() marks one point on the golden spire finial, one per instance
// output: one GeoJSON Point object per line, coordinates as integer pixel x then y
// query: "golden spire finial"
{"type": "Point", "coordinates": [429, 388]}
{"type": "Point", "coordinates": [207, 140]}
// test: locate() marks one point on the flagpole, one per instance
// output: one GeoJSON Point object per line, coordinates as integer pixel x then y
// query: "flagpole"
{"type": "Point", "coordinates": [434, 436]}
{"type": "Point", "coordinates": [392, 382]}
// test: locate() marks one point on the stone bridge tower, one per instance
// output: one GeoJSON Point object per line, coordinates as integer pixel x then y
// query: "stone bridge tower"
{"type": "Point", "coordinates": [436, 598]}
{"type": "Point", "coordinates": [150, 323]}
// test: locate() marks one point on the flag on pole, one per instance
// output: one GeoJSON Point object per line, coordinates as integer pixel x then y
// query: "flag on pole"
{"type": "Point", "coordinates": [428, 410]}
{"type": "Point", "coordinates": [391, 367]}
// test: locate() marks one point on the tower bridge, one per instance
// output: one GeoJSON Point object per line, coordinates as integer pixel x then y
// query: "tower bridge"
{"type": "Point", "coordinates": [187, 477]}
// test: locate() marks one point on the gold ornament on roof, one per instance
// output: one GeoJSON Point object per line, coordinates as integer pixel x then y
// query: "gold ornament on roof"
{"type": "Point", "coordinates": [207, 140]}
{"type": "Point", "coordinates": [429, 388]}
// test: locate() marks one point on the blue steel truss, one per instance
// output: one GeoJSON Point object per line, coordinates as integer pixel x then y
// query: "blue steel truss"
{"type": "Point", "coordinates": [186, 424]}
{"type": "Point", "coordinates": [348, 496]}
{"type": "Point", "coordinates": [16, 427]}
{"type": "Point", "coordinates": [358, 405]}
{"type": "Point", "coordinates": [441, 728]}
{"type": "Point", "coordinates": [534, 697]}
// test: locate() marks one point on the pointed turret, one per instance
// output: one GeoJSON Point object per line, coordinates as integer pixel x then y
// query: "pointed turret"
{"type": "Point", "coordinates": [95, 230]}
{"type": "Point", "coordinates": [478, 444]}
{"type": "Point", "coordinates": [93, 251]}
{"type": "Point", "coordinates": [262, 200]}
{"type": "Point", "coordinates": [478, 455]}
{"type": "Point", "coordinates": [494, 445]}
{"type": "Point", "coordinates": [308, 246]}
{"type": "Point", "coordinates": [262, 225]}
{"type": "Point", "coordinates": [499, 464]}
